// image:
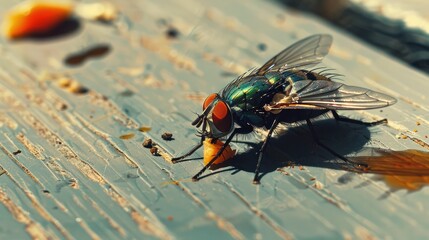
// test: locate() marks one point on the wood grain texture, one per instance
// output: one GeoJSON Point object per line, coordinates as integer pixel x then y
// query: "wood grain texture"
{"type": "Point", "coordinates": [75, 178]}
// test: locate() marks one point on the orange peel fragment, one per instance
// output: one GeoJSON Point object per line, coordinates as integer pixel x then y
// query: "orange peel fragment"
{"type": "Point", "coordinates": [210, 150]}
{"type": "Point", "coordinates": [35, 17]}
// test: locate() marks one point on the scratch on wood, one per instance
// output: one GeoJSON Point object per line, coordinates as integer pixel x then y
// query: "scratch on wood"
{"type": "Point", "coordinates": [418, 141]}
{"type": "Point", "coordinates": [40, 209]}
{"type": "Point", "coordinates": [412, 103]}
{"type": "Point", "coordinates": [260, 214]}
{"type": "Point", "coordinates": [37, 152]}
{"type": "Point", "coordinates": [227, 226]}
{"type": "Point", "coordinates": [143, 223]}
{"type": "Point", "coordinates": [102, 101]}
{"type": "Point", "coordinates": [89, 172]}
{"type": "Point", "coordinates": [227, 65]}
{"type": "Point", "coordinates": [24, 168]}
{"type": "Point", "coordinates": [87, 229]}
{"type": "Point", "coordinates": [221, 222]}
{"type": "Point", "coordinates": [7, 121]}
{"type": "Point", "coordinates": [34, 229]}
{"type": "Point", "coordinates": [110, 220]}
{"type": "Point", "coordinates": [65, 150]}
{"type": "Point", "coordinates": [106, 137]}
{"type": "Point", "coordinates": [45, 214]}
{"type": "Point", "coordinates": [162, 47]}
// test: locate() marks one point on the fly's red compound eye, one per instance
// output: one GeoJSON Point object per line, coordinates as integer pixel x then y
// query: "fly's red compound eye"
{"type": "Point", "coordinates": [221, 116]}
{"type": "Point", "coordinates": [209, 100]}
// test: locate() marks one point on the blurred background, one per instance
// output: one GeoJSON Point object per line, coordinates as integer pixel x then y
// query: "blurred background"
{"type": "Point", "coordinates": [398, 27]}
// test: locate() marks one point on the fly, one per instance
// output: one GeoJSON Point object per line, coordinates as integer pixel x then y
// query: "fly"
{"type": "Point", "coordinates": [282, 91]}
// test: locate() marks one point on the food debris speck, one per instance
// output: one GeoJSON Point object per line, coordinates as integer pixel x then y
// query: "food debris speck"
{"type": "Point", "coordinates": [148, 143]}
{"type": "Point", "coordinates": [318, 185]}
{"type": "Point", "coordinates": [170, 218]}
{"type": "Point", "coordinates": [404, 136]}
{"type": "Point", "coordinates": [71, 85]}
{"type": "Point", "coordinates": [154, 151]}
{"type": "Point", "coordinates": [312, 179]}
{"type": "Point", "coordinates": [144, 129]}
{"type": "Point", "coordinates": [418, 123]}
{"type": "Point", "coordinates": [127, 136]}
{"type": "Point", "coordinates": [168, 136]}
{"type": "Point", "coordinates": [46, 191]}
{"type": "Point", "coordinates": [17, 152]}
{"type": "Point", "coordinates": [172, 33]}
{"type": "Point", "coordinates": [415, 130]}
{"type": "Point", "coordinates": [98, 11]}
{"type": "Point", "coordinates": [301, 168]}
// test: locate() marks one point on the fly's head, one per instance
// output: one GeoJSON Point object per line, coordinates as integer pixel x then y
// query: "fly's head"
{"type": "Point", "coordinates": [216, 119]}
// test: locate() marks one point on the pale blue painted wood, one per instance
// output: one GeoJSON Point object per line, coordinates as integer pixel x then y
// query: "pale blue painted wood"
{"type": "Point", "coordinates": [122, 191]}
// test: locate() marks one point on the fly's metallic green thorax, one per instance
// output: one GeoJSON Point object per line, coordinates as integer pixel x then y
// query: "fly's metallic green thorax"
{"type": "Point", "coordinates": [248, 94]}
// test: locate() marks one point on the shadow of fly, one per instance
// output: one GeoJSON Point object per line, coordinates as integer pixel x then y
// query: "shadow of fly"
{"type": "Point", "coordinates": [281, 91]}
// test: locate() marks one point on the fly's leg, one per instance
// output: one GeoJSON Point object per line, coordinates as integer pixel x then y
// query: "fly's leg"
{"type": "Point", "coordinates": [261, 151]}
{"type": "Point", "coordinates": [316, 139]}
{"type": "Point", "coordinates": [195, 148]}
{"type": "Point", "coordinates": [243, 130]}
{"type": "Point", "coordinates": [354, 121]}
{"type": "Point", "coordinates": [203, 137]}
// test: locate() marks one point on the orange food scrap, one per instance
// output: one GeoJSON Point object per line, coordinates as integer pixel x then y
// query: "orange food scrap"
{"type": "Point", "coordinates": [210, 150]}
{"type": "Point", "coordinates": [35, 17]}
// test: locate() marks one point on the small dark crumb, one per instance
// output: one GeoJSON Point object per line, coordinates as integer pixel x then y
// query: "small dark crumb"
{"type": "Point", "coordinates": [154, 151]}
{"type": "Point", "coordinates": [127, 93]}
{"type": "Point", "coordinates": [46, 191]}
{"type": "Point", "coordinates": [132, 175]}
{"type": "Point", "coordinates": [262, 46]}
{"type": "Point", "coordinates": [381, 110]}
{"type": "Point", "coordinates": [168, 136]}
{"type": "Point", "coordinates": [62, 107]}
{"type": "Point", "coordinates": [148, 143]}
{"type": "Point", "coordinates": [172, 33]}
{"type": "Point", "coordinates": [312, 179]}
{"type": "Point", "coordinates": [79, 90]}
{"type": "Point", "coordinates": [170, 218]}
{"type": "Point", "coordinates": [17, 152]}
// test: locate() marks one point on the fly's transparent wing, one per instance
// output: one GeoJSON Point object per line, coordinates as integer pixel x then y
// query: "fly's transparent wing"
{"type": "Point", "coordinates": [306, 52]}
{"type": "Point", "coordinates": [322, 94]}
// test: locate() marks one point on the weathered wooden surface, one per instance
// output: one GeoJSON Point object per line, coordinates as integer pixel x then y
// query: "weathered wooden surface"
{"type": "Point", "coordinates": [74, 177]}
